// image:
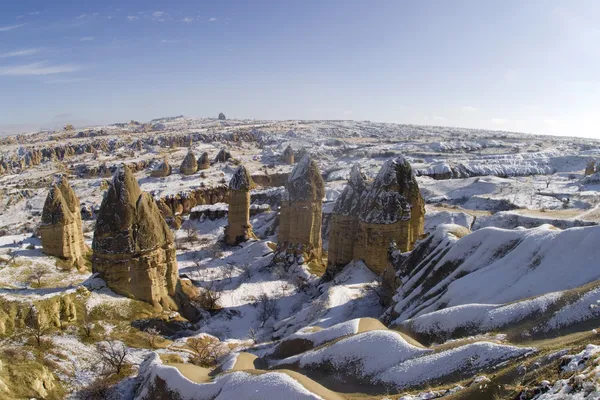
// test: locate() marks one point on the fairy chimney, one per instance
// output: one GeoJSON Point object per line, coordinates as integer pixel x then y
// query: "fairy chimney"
{"type": "Point", "coordinates": [203, 161]}
{"type": "Point", "coordinates": [288, 155]}
{"type": "Point", "coordinates": [223, 156]}
{"type": "Point", "coordinates": [61, 227]}
{"type": "Point", "coordinates": [344, 223]}
{"type": "Point", "coordinates": [134, 250]}
{"type": "Point", "coordinates": [590, 168]}
{"type": "Point", "coordinates": [189, 165]}
{"type": "Point", "coordinates": [239, 228]}
{"type": "Point", "coordinates": [161, 169]}
{"type": "Point", "coordinates": [301, 214]}
{"type": "Point", "coordinates": [391, 210]}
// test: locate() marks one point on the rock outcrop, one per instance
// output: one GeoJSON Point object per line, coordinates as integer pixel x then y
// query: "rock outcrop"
{"type": "Point", "coordinates": [189, 165]}
{"type": "Point", "coordinates": [368, 221]}
{"type": "Point", "coordinates": [61, 227]}
{"type": "Point", "coordinates": [288, 155]}
{"type": "Point", "coordinates": [161, 169]}
{"type": "Point", "coordinates": [391, 211]}
{"type": "Point", "coordinates": [203, 161]}
{"type": "Point", "coordinates": [344, 223]}
{"type": "Point", "coordinates": [590, 167]}
{"type": "Point", "coordinates": [223, 156]}
{"type": "Point", "coordinates": [134, 250]}
{"type": "Point", "coordinates": [239, 228]}
{"type": "Point", "coordinates": [301, 213]}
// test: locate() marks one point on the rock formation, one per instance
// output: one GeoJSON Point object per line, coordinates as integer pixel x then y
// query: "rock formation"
{"type": "Point", "coordinates": [204, 161]}
{"type": "Point", "coordinates": [590, 168]}
{"type": "Point", "coordinates": [134, 251]}
{"type": "Point", "coordinates": [239, 228]}
{"type": "Point", "coordinates": [344, 223]}
{"type": "Point", "coordinates": [223, 156]}
{"type": "Point", "coordinates": [288, 155]}
{"type": "Point", "coordinates": [189, 165]}
{"type": "Point", "coordinates": [161, 169]}
{"type": "Point", "coordinates": [301, 213]}
{"type": "Point", "coordinates": [391, 211]}
{"type": "Point", "coordinates": [61, 227]}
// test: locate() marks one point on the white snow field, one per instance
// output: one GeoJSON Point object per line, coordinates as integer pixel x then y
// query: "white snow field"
{"type": "Point", "coordinates": [500, 298]}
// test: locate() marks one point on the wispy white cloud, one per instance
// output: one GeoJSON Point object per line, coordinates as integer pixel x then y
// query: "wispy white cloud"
{"type": "Point", "coordinates": [132, 17]}
{"type": "Point", "coordinates": [213, 19]}
{"type": "Point", "coordinates": [159, 16]}
{"type": "Point", "coordinates": [20, 53]}
{"type": "Point", "coordinates": [38, 68]}
{"type": "Point", "coordinates": [10, 27]}
{"type": "Point", "coordinates": [468, 108]}
{"type": "Point", "coordinates": [87, 38]}
{"type": "Point", "coordinates": [81, 16]}
{"type": "Point", "coordinates": [34, 13]}
{"type": "Point", "coordinates": [187, 19]}
{"type": "Point", "coordinates": [498, 121]}
{"type": "Point", "coordinates": [169, 41]}
{"type": "Point", "coordinates": [65, 80]}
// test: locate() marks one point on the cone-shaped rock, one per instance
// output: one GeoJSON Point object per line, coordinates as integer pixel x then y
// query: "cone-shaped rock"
{"type": "Point", "coordinates": [590, 167]}
{"type": "Point", "coordinates": [288, 155]}
{"type": "Point", "coordinates": [133, 246]}
{"type": "Point", "coordinates": [204, 161]}
{"type": "Point", "coordinates": [392, 210]}
{"type": "Point", "coordinates": [189, 165]}
{"type": "Point", "coordinates": [301, 212]}
{"type": "Point", "coordinates": [344, 223]}
{"type": "Point", "coordinates": [61, 228]}
{"type": "Point", "coordinates": [161, 169]}
{"type": "Point", "coordinates": [223, 156]}
{"type": "Point", "coordinates": [239, 228]}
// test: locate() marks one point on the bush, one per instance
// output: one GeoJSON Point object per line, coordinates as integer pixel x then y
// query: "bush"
{"type": "Point", "coordinates": [267, 308]}
{"type": "Point", "coordinates": [207, 350]}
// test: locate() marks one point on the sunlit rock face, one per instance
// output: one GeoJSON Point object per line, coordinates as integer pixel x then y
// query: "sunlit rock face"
{"type": "Point", "coordinates": [301, 212]}
{"type": "Point", "coordinates": [203, 161]}
{"type": "Point", "coordinates": [189, 165]}
{"type": "Point", "coordinates": [161, 169]}
{"type": "Point", "coordinates": [367, 219]}
{"type": "Point", "coordinates": [344, 223]}
{"type": "Point", "coordinates": [288, 156]}
{"type": "Point", "coordinates": [61, 227]}
{"type": "Point", "coordinates": [391, 211]}
{"type": "Point", "coordinates": [239, 228]}
{"type": "Point", "coordinates": [134, 251]}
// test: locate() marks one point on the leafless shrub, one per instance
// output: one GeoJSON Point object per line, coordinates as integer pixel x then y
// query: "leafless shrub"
{"type": "Point", "coordinates": [267, 308]}
{"type": "Point", "coordinates": [228, 271]}
{"type": "Point", "coordinates": [114, 356]}
{"type": "Point", "coordinates": [207, 350]}
{"type": "Point", "coordinates": [37, 331]}
{"type": "Point", "coordinates": [209, 297]}
{"type": "Point", "coordinates": [252, 334]}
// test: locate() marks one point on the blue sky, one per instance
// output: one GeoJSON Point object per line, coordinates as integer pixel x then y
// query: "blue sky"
{"type": "Point", "coordinates": [531, 66]}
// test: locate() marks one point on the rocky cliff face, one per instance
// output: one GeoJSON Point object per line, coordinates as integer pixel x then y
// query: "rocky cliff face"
{"type": "Point", "coordinates": [344, 223]}
{"type": "Point", "coordinates": [239, 228]}
{"type": "Point", "coordinates": [61, 227]}
{"type": "Point", "coordinates": [189, 165]}
{"type": "Point", "coordinates": [204, 161]}
{"type": "Point", "coordinates": [134, 251]}
{"type": "Point", "coordinates": [392, 210]}
{"type": "Point", "coordinates": [367, 220]}
{"type": "Point", "coordinates": [288, 155]}
{"type": "Point", "coordinates": [161, 169]}
{"type": "Point", "coordinates": [301, 213]}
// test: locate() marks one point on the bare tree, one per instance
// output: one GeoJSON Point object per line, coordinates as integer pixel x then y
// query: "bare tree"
{"type": "Point", "coordinates": [114, 356]}
{"type": "Point", "coordinates": [191, 233]}
{"type": "Point", "coordinates": [267, 308]}
{"type": "Point", "coordinates": [252, 334]}
{"type": "Point", "coordinates": [209, 297]}
{"type": "Point", "coordinates": [151, 335]}
{"type": "Point", "coordinates": [285, 286]}
{"type": "Point", "coordinates": [548, 181]}
{"type": "Point", "coordinates": [37, 330]}
{"type": "Point", "coordinates": [37, 274]}
{"type": "Point", "coordinates": [228, 271]}
{"type": "Point", "coordinates": [87, 325]}
{"type": "Point", "coordinates": [207, 350]}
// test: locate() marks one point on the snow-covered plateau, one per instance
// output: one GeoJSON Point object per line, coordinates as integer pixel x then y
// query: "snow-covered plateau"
{"type": "Point", "coordinates": [498, 297]}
